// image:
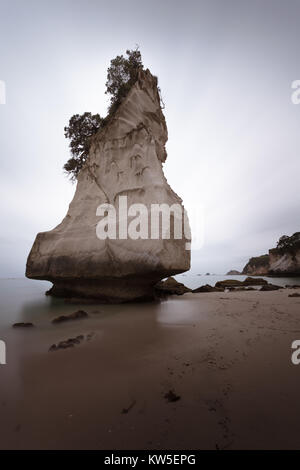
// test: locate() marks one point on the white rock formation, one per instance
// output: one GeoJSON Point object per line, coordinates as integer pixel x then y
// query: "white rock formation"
{"type": "Point", "coordinates": [285, 262]}
{"type": "Point", "coordinates": [125, 160]}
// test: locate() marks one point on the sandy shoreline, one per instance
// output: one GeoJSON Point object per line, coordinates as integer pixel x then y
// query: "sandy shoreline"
{"type": "Point", "coordinates": [227, 355]}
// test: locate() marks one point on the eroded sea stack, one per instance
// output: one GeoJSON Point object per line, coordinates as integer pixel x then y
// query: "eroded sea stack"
{"type": "Point", "coordinates": [125, 159]}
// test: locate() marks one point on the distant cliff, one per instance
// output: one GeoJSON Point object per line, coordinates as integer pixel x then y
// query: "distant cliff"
{"type": "Point", "coordinates": [285, 258]}
{"type": "Point", "coordinates": [258, 265]}
{"type": "Point", "coordinates": [282, 260]}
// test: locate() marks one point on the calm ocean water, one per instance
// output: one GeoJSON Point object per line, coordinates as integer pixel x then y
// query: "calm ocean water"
{"type": "Point", "coordinates": [24, 299]}
{"type": "Point", "coordinates": [194, 280]}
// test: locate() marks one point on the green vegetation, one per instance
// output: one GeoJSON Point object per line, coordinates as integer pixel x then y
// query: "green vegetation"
{"type": "Point", "coordinates": [258, 261]}
{"type": "Point", "coordinates": [79, 131]}
{"type": "Point", "coordinates": [121, 75]}
{"type": "Point", "coordinates": [286, 242]}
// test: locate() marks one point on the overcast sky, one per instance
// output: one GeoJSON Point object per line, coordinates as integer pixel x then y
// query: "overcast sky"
{"type": "Point", "coordinates": [225, 68]}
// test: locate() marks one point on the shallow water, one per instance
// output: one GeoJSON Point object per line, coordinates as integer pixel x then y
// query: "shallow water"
{"type": "Point", "coordinates": [24, 300]}
{"type": "Point", "coordinates": [194, 280]}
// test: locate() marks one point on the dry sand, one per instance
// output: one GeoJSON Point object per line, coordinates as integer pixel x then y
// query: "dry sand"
{"type": "Point", "coordinates": [227, 355]}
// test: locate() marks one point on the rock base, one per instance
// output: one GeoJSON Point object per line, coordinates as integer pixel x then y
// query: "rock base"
{"type": "Point", "coordinates": [106, 291]}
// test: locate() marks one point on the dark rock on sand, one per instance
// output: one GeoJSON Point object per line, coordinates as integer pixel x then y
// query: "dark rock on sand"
{"type": "Point", "coordinates": [171, 396]}
{"type": "Point", "coordinates": [126, 410]}
{"type": "Point", "coordinates": [249, 281]}
{"type": "Point", "coordinates": [73, 316]}
{"type": "Point", "coordinates": [269, 287]}
{"type": "Point", "coordinates": [69, 343]}
{"type": "Point", "coordinates": [228, 283]}
{"type": "Point", "coordinates": [208, 288]}
{"type": "Point", "coordinates": [252, 281]}
{"type": "Point", "coordinates": [23, 325]}
{"type": "Point", "coordinates": [295, 295]}
{"type": "Point", "coordinates": [171, 287]}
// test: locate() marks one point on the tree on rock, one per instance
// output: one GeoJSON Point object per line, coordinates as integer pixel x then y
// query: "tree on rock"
{"type": "Point", "coordinates": [80, 129]}
{"type": "Point", "coordinates": [286, 242]}
{"type": "Point", "coordinates": [121, 75]}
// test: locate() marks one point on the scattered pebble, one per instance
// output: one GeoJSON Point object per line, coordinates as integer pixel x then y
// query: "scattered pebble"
{"type": "Point", "coordinates": [126, 410]}
{"type": "Point", "coordinates": [171, 396]}
{"type": "Point", "coordinates": [23, 325]}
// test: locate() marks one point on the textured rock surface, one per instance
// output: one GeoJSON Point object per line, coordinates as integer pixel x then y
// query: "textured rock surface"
{"type": "Point", "coordinates": [208, 288]}
{"type": "Point", "coordinates": [256, 281]}
{"type": "Point", "coordinates": [171, 287]}
{"type": "Point", "coordinates": [257, 266]}
{"type": "Point", "coordinates": [285, 259]}
{"type": "Point", "coordinates": [125, 160]}
{"type": "Point", "coordinates": [249, 281]}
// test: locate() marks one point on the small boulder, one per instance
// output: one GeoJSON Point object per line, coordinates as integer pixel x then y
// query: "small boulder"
{"type": "Point", "coordinates": [208, 288]}
{"type": "Point", "coordinates": [269, 287]}
{"type": "Point", "coordinates": [252, 281]}
{"type": "Point", "coordinates": [171, 396]}
{"type": "Point", "coordinates": [171, 287]}
{"type": "Point", "coordinates": [23, 325]}
{"type": "Point", "coordinates": [229, 283]}
{"type": "Point", "coordinates": [296, 294]}
{"type": "Point", "coordinates": [69, 343]}
{"type": "Point", "coordinates": [73, 316]}
{"type": "Point", "coordinates": [249, 281]}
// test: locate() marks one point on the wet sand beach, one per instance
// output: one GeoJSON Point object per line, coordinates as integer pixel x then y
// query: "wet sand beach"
{"type": "Point", "coordinates": [225, 358]}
